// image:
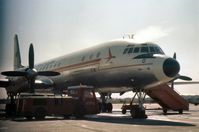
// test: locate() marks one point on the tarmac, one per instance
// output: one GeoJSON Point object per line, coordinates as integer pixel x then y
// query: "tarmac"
{"type": "Point", "coordinates": [109, 122]}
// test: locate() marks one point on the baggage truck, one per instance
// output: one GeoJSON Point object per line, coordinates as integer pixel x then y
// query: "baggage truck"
{"type": "Point", "coordinates": [79, 101]}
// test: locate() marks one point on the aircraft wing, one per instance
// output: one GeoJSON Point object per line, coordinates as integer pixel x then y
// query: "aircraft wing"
{"type": "Point", "coordinates": [186, 83]}
{"type": "Point", "coordinates": [4, 83]}
{"type": "Point", "coordinates": [168, 98]}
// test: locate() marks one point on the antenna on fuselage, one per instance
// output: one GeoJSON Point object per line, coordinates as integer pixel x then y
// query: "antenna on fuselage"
{"type": "Point", "coordinates": [128, 35]}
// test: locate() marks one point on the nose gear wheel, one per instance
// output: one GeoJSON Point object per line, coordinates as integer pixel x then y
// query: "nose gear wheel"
{"type": "Point", "coordinates": [137, 109]}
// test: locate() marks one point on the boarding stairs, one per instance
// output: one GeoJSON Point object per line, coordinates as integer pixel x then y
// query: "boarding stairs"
{"type": "Point", "coordinates": [168, 98]}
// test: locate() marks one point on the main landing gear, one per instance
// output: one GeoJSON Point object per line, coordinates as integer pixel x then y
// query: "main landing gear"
{"type": "Point", "coordinates": [137, 110]}
{"type": "Point", "coordinates": [11, 106]}
{"type": "Point", "coordinates": [104, 106]}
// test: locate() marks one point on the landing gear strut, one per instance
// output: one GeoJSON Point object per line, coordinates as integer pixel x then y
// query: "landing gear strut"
{"type": "Point", "coordinates": [11, 107]}
{"type": "Point", "coordinates": [106, 107]}
{"type": "Point", "coordinates": [137, 110]}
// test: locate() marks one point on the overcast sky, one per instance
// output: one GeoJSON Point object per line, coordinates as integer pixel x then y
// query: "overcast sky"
{"type": "Point", "coordinates": [58, 27]}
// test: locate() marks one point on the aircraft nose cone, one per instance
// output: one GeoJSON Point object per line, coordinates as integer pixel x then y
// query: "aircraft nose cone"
{"type": "Point", "coordinates": [171, 67]}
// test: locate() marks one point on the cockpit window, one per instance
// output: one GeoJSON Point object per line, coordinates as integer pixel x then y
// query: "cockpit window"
{"type": "Point", "coordinates": [158, 50]}
{"type": "Point", "coordinates": [161, 51]}
{"type": "Point", "coordinates": [136, 50]}
{"type": "Point", "coordinates": [126, 50]}
{"type": "Point", "coordinates": [152, 50]}
{"type": "Point", "coordinates": [130, 50]}
{"type": "Point", "coordinates": [144, 49]}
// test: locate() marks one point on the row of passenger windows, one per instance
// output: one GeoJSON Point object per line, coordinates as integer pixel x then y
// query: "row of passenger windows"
{"type": "Point", "coordinates": [143, 49]}
{"type": "Point", "coordinates": [91, 56]}
{"type": "Point", "coordinates": [49, 66]}
{"type": "Point", "coordinates": [55, 65]}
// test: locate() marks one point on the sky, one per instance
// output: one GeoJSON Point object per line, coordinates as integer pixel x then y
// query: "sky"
{"type": "Point", "coordinates": [59, 27]}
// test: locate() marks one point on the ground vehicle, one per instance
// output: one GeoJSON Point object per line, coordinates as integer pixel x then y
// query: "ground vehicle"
{"type": "Point", "coordinates": [80, 100]}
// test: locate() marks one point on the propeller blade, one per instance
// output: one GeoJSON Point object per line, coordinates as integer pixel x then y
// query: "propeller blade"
{"type": "Point", "coordinates": [31, 56]}
{"type": "Point", "coordinates": [31, 83]}
{"type": "Point", "coordinates": [179, 77]}
{"type": "Point", "coordinates": [48, 73]}
{"type": "Point", "coordinates": [186, 83]}
{"type": "Point", "coordinates": [185, 78]}
{"type": "Point", "coordinates": [14, 73]}
{"type": "Point", "coordinates": [174, 55]}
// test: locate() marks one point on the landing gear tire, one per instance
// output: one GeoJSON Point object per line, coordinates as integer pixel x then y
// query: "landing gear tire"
{"type": "Point", "coordinates": [39, 117]}
{"type": "Point", "coordinates": [10, 110]}
{"type": "Point", "coordinates": [66, 116]}
{"type": "Point", "coordinates": [180, 111]}
{"type": "Point", "coordinates": [106, 107]}
{"type": "Point", "coordinates": [109, 107]}
{"type": "Point", "coordinates": [123, 111]}
{"type": "Point", "coordinates": [100, 107]}
{"type": "Point", "coordinates": [29, 117]}
{"type": "Point", "coordinates": [40, 113]}
{"type": "Point", "coordinates": [103, 107]}
{"type": "Point", "coordinates": [80, 111]}
{"type": "Point", "coordinates": [138, 113]}
{"type": "Point", "coordinates": [164, 111]}
{"type": "Point", "coordinates": [11, 107]}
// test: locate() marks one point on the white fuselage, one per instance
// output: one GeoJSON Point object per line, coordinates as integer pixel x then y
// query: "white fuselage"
{"type": "Point", "coordinates": [115, 66]}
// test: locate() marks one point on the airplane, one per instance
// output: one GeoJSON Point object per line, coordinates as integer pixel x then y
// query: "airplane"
{"type": "Point", "coordinates": [115, 66]}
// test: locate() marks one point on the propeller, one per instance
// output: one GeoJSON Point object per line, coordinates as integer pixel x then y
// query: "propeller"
{"type": "Point", "coordinates": [31, 57]}
{"type": "Point", "coordinates": [30, 72]}
{"type": "Point", "coordinates": [14, 73]}
{"type": "Point", "coordinates": [186, 78]}
{"type": "Point", "coordinates": [174, 55]}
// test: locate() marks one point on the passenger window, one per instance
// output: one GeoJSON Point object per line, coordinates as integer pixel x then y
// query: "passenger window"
{"type": "Point", "coordinates": [59, 64]}
{"type": "Point", "coordinates": [98, 55]}
{"type": "Point", "coordinates": [136, 50]}
{"type": "Point", "coordinates": [130, 50]}
{"type": "Point", "coordinates": [91, 56]}
{"type": "Point", "coordinates": [50, 66]}
{"type": "Point", "coordinates": [144, 49]}
{"type": "Point", "coordinates": [152, 50]}
{"type": "Point", "coordinates": [46, 66]}
{"type": "Point", "coordinates": [54, 65]}
{"type": "Point", "coordinates": [83, 58]}
{"type": "Point", "coordinates": [126, 50]}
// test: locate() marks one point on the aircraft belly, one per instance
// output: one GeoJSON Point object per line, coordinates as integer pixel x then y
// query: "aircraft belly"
{"type": "Point", "coordinates": [120, 79]}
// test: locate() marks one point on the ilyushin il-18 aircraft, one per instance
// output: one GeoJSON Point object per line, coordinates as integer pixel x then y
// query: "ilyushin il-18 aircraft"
{"type": "Point", "coordinates": [116, 66]}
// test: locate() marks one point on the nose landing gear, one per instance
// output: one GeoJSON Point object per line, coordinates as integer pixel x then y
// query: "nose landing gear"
{"type": "Point", "coordinates": [137, 109]}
